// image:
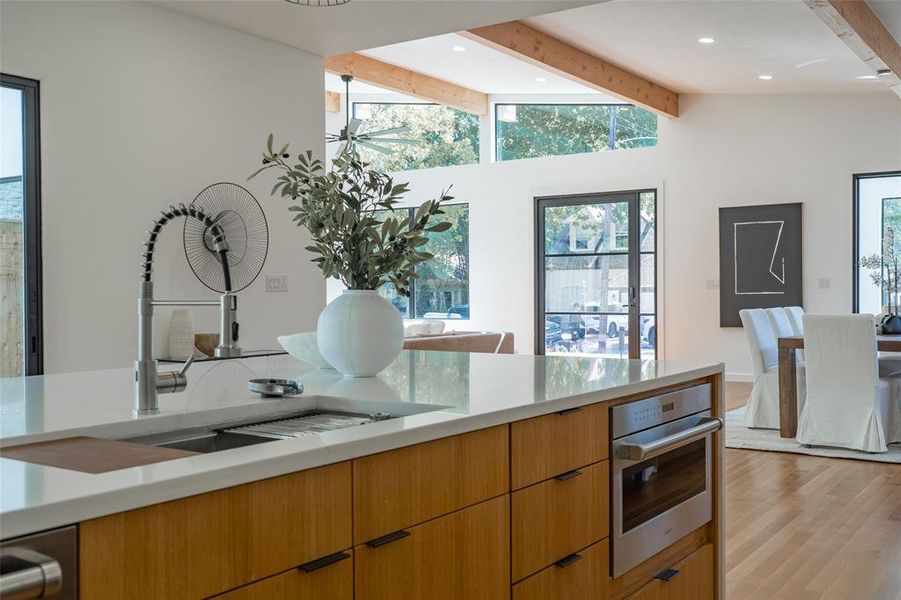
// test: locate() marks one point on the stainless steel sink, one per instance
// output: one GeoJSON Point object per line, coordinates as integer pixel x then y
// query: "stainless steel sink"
{"type": "Point", "coordinates": [225, 436]}
{"type": "Point", "coordinates": [213, 441]}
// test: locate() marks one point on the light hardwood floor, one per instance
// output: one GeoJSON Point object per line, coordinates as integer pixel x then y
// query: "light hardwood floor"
{"type": "Point", "coordinates": [810, 528]}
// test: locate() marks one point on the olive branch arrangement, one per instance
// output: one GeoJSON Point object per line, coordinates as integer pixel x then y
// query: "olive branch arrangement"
{"type": "Point", "coordinates": [349, 211]}
{"type": "Point", "coordinates": [884, 269]}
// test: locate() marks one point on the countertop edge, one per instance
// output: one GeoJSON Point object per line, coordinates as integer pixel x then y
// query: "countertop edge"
{"type": "Point", "coordinates": [30, 520]}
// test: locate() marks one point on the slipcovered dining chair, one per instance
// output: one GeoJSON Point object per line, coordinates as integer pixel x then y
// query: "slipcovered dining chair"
{"type": "Point", "coordinates": [763, 405]}
{"type": "Point", "coordinates": [795, 316]}
{"type": "Point", "coordinates": [848, 405]}
{"type": "Point", "coordinates": [783, 326]}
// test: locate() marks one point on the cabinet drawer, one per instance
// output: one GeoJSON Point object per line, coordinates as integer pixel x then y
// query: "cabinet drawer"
{"type": "Point", "coordinates": [400, 488]}
{"type": "Point", "coordinates": [557, 517]}
{"type": "Point", "coordinates": [461, 555]}
{"type": "Point", "coordinates": [546, 446]}
{"type": "Point", "coordinates": [334, 581]}
{"type": "Point", "coordinates": [210, 543]}
{"type": "Point", "coordinates": [694, 580]}
{"type": "Point", "coordinates": [585, 579]}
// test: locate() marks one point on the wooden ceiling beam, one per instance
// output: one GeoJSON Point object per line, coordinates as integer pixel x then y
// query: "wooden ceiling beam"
{"type": "Point", "coordinates": [332, 101]}
{"type": "Point", "coordinates": [518, 39]}
{"type": "Point", "coordinates": [855, 23]}
{"type": "Point", "coordinates": [405, 81]}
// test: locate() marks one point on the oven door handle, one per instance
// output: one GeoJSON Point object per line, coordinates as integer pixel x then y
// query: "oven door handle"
{"type": "Point", "coordinates": [665, 444]}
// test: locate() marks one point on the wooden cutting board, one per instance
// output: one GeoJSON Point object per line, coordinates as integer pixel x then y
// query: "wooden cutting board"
{"type": "Point", "coordinates": [91, 455]}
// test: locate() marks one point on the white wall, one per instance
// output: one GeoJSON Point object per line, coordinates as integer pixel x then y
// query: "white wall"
{"type": "Point", "coordinates": [140, 108]}
{"type": "Point", "coordinates": [723, 151]}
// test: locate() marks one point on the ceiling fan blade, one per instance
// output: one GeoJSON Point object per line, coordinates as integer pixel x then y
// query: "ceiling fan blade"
{"type": "Point", "coordinates": [375, 147]}
{"type": "Point", "coordinates": [353, 126]}
{"type": "Point", "coordinates": [403, 129]}
{"type": "Point", "coordinates": [382, 140]}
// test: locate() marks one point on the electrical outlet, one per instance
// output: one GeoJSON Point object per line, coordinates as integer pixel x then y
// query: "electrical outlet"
{"type": "Point", "coordinates": [823, 283]}
{"type": "Point", "coordinates": [276, 283]}
{"type": "Point", "coordinates": [713, 284]}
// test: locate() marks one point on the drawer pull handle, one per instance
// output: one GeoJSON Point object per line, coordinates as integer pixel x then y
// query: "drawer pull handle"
{"type": "Point", "coordinates": [569, 411]}
{"type": "Point", "coordinates": [324, 561]}
{"type": "Point", "coordinates": [388, 538]}
{"type": "Point", "coordinates": [667, 575]}
{"type": "Point", "coordinates": [568, 475]}
{"type": "Point", "coordinates": [568, 560]}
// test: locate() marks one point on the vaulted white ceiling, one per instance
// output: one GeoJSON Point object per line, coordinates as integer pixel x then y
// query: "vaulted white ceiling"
{"type": "Point", "coordinates": [360, 24]}
{"type": "Point", "coordinates": [659, 40]}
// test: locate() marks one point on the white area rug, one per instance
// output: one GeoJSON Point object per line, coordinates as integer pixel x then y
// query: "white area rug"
{"type": "Point", "coordinates": [739, 436]}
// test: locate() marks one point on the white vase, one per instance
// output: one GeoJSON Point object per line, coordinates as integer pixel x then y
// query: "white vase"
{"type": "Point", "coordinates": [360, 333]}
{"type": "Point", "coordinates": [181, 334]}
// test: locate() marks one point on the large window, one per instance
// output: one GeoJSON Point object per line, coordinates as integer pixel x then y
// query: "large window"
{"type": "Point", "coordinates": [20, 229]}
{"type": "Point", "coordinates": [444, 136]}
{"type": "Point", "coordinates": [534, 130]}
{"type": "Point", "coordinates": [441, 287]}
{"type": "Point", "coordinates": [877, 219]}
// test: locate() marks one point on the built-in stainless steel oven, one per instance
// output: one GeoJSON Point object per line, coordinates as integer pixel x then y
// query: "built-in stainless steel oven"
{"type": "Point", "coordinates": [662, 463]}
{"type": "Point", "coordinates": [41, 565]}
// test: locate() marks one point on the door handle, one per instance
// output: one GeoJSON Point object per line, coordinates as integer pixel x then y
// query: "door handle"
{"type": "Point", "coordinates": [665, 444]}
{"type": "Point", "coordinates": [568, 560]}
{"type": "Point", "coordinates": [39, 576]}
{"type": "Point", "coordinates": [667, 575]}
{"type": "Point", "coordinates": [325, 561]}
{"type": "Point", "coordinates": [568, 475]}
{"type": "Point", "coordinates": [388, 538]}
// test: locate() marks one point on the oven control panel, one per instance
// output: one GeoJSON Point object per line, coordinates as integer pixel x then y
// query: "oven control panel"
{"type": "Point", "coordinates": [650, 412]}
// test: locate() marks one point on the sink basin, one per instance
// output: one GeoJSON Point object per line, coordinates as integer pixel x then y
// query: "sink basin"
{"type": "Point", "coordinates": [213, 442]}
{"type": "Point", "coordinates": [225, 436]}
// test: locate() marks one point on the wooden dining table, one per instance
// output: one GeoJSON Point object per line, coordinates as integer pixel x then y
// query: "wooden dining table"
{"type": "Point", "coordinates": [788, 377]}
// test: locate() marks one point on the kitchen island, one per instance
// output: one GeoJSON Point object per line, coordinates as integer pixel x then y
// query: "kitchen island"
{"type": "Point", "coordinates": [495, 476]}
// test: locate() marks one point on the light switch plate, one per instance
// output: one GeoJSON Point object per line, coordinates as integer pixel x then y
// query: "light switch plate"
{"type": "Point", "coordinates": [276, 283]}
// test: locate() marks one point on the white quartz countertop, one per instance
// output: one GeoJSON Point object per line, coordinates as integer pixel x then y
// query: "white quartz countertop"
{"type": "Point", "coordinates": [466, 391]}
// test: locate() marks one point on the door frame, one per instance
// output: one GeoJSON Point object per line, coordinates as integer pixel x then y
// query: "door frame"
{"type": "Point", "coordinates": [31, 181]}
{"type": "Point", "coordinates": [634, 259]}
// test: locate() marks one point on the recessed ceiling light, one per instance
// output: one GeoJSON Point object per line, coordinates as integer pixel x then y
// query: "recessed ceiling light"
{"type": "Point", "coordinates": [867, 77]}
{"type": "Point", "coordinates": [540, 79]}
{"type": "Point", "coordinates": [706, 40]}
{"type": "Point", "coordinates": [459, 49]}
{"type": "Point", "coordinates": [764, 77]}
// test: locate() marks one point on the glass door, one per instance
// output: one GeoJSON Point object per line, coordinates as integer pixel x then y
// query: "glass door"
{"type": "Point", "coordinates": [596, 275]}
{"type": "Point", "coordinates": [20, 282]}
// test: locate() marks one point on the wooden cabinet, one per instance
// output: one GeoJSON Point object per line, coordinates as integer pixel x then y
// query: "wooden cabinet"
{"type": "Point", "coordinates": [333, 581]}
{"type": "Point", "coordinates": [580, 576]}
{"type": "Point", "coordinates": [397, 489]}
{"type": "Point", "coordinates": [546, 446]}
{"type": "Point", "coordinates": [557, 517]}
{"type": "Point", "coordinates": [210, 543]}
{"type": "Point", "coordinates": [463, 555]}
{"type": "Point", "coordinates": [694, 580]}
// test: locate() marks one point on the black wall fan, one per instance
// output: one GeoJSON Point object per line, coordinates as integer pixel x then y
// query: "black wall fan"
{"type": "Point", "coordinates": [373, 140]}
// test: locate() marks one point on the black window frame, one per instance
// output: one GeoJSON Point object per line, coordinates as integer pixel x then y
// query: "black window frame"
{"type": "Point", "coordinates": [855, 231]}
{"type": "Point", "coordinates": [411, 299]}
{"type": "Point", "coordinates": [353, 114]}
{"type": "Point", "coordinates": [634, 261]}
{"type": "Point", "coordinates": [497, 121]}
{"type": "Point", "coordinates": [31, 180]}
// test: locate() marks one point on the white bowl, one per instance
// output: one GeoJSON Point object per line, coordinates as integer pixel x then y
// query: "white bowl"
{"type": "Point", "coordinates": [302, 346]}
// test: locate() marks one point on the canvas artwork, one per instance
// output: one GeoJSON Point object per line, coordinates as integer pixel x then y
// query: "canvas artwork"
{"type": "Point", "coordinates": [760, 258]}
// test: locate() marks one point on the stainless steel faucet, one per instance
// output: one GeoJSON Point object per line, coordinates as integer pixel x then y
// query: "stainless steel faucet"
{"type": "Point", "coordinates": [148, 382]}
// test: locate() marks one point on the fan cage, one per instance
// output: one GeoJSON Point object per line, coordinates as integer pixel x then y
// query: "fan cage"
{"type": "Point", "coordinates": [246, 230]}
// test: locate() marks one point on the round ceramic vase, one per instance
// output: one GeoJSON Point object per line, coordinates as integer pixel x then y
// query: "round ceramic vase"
{"type": "Point", "coordinates": [360, 333]}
